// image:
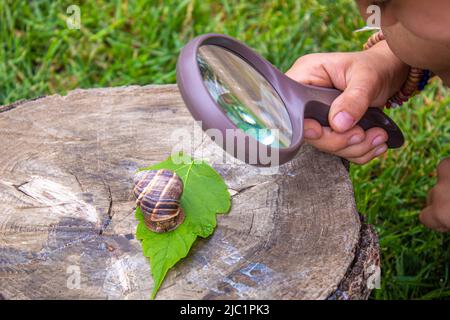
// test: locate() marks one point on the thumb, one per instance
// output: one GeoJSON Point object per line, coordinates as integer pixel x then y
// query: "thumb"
{"type": "Point", "coordinates": [347, 109]}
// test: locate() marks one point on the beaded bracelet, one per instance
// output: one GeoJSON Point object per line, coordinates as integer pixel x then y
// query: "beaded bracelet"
{"type": "Point", "coordinates": [416, 81]}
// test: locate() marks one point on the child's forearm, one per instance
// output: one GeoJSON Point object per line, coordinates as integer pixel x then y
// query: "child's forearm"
{"type": "Point", "coordinates": [394, 69]}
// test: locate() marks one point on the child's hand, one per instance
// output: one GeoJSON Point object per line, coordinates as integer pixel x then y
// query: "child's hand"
{"type": "Point", "coordinates": [437, 213]}
{"type": "Point", "coordinates": [367, 78]}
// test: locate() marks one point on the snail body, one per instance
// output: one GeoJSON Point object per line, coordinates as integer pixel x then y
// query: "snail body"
{"type": "Point", "coordinates": [158, 194]}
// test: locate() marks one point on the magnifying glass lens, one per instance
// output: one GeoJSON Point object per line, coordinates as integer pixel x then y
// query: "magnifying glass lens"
{"type": "Point", "coordinates": [245, 96]}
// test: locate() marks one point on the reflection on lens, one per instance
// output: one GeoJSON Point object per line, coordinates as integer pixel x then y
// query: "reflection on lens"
{"type": "Point", "coordinates": [246, 97]}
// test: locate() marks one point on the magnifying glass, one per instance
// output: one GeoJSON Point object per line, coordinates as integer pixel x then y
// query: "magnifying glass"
{"type": "Point", "coordinates": [257, 110]}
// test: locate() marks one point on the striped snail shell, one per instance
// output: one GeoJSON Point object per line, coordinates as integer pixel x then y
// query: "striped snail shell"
{"type": "Point", "coordinates": [158, 195]}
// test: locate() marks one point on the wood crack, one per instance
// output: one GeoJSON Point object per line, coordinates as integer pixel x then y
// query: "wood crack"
{"type": "Point", "coordinates": [14, 105]}
{"type": "Point", "coordinates": [242, 190]}
{"type": "Point", "coordinates": [18, 188]}
{"type": "Point", "coordinates": [251, 223]}
{"type": "Point", "coordinates": [109, 213]}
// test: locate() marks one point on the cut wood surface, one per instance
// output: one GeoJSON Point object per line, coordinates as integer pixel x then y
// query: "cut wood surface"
{"type": "Point", "coordinates": [66, 208]}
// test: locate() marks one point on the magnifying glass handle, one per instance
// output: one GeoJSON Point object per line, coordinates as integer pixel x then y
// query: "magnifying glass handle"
{"type": "Point", "coordinates": [319, 107]}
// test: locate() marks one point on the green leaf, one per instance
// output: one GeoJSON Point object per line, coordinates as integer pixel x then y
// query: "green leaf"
{"type": "Point", "coordinates": [163, 249]}
{"type": "Point", "coordinates": [204, 195]}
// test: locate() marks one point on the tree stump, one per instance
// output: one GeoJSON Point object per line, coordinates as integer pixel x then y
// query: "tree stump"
{"type": "Point", "coordinates": [66, 209]}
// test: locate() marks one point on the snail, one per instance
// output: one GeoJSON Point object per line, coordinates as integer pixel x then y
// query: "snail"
{"type": "Point", "coordinates": [158, 195]}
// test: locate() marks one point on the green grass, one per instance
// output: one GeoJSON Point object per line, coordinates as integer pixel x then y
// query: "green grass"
{"type": "Point", "coordinates": [392, 190]}
{"type": "Point", "coordinates": [137, 42]}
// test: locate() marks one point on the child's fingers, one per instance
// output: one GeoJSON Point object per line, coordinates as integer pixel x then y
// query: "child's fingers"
{"type": "Point", "coordinates": [428, 219]}
{"type": "Point", "coordinates": [310, 69]}
{"type": "Point", "coordinates": [443, 170]}
{"type": "Point", "coordinates": [436, 214]}
{"type": "Point", "coordinates": [430, 196]}
{"type": "Point", "coordinates": [374, 137]}
{"type": "Point", "coordinates": [375, 152]}
{"type": "Point", "coordinates": [332, 142]}
{"type": "Point", "coordinates": [351, 105]}
{"type": "Point", "coordinates": [312, 129]}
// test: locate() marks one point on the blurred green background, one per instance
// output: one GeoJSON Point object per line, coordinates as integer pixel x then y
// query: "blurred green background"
{"type": "Point", "coordinates": [137, 42]}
